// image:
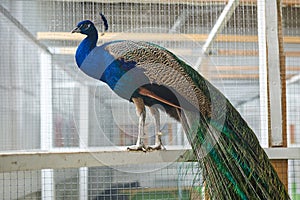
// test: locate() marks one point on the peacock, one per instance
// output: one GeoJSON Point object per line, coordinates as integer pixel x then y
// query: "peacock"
{"type": "Point", "coordinates": [233, 164]}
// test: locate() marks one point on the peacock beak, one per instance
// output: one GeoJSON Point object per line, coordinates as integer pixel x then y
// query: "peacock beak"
{"type": "Point", "coordinates": [76, 30]}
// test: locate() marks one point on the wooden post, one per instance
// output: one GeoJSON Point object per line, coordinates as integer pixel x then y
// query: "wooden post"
{"type": "Point", "coordinates": [276, 85]}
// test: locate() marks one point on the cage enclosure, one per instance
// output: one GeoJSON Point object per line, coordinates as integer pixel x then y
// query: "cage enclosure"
{"type": "Point", "coordinates": [63, 134]}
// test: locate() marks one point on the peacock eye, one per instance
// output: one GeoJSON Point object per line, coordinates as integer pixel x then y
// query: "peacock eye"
{"type": "Point", "coordinates": [86, 26]}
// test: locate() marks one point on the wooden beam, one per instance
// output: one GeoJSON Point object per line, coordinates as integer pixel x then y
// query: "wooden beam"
{"type": "Point", "coordinates": [250, 68]}
{"type": "Point", "coordinates": [276, 84]}
{"type": "Point", "coordinates": [244, 52]}
{"type": "Point", "coordinates": [234, 76]}
{"type": "Point", "coordinates": [237, 52]}
{"type": "Point", "coordinates": [276, 128]}
{"type": "Point", "coordinates": [281, 167]}
{"type": "Point", "coordinates": [159, 37]}
{"type": "Point", "coordinates": [75, 158]}
{"type": "Point", "coordinates": [291, 39]}
{"type": "Point", "coordinates": [236, 68]}
{"type": "Point", "coordinates": [240, 76]}
{"type": "Point", "coordinates": [292, 53]}
{"type": "Point", "coordinates": [187, 52]}
{"type": "Point", "coordinates": [22, 161]}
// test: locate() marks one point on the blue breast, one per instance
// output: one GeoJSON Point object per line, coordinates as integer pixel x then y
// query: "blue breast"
{"type": "Point", "coordinates": [118, 74]}
{"type": "Point", "coordinates": [84, 49]}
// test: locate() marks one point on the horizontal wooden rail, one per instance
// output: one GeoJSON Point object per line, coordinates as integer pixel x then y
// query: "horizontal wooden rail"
{"type": "Point", "coordinates": [249, 68]}
{"type": "Point", "coordinates": [245, 52]}
{"type": "Point", "coordinates": [159, 37]}
{"type": "Point", "coordinates": [188, 52]}
{"type": "Point", "coordinates": [240, 76]}
{"type": "Point", "coordinates": [36, 160]}
{"type": "Point", "coordinates": [75, 158]}
{"type": "Point", "coordinates": [146, 37]}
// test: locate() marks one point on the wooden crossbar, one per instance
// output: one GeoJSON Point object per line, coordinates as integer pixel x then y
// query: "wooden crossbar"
{"type": "Point", "coordinates": [159, 37]}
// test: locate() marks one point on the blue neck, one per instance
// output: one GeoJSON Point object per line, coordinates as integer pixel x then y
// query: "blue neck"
{"type": "Point", "coordinates": [85, 47]}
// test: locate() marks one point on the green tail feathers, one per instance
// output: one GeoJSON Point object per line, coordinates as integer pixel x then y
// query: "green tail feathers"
{"type": "Point", "coordinates": [233, 162]}
{"type": "Point", "coordinates": [234, 165]}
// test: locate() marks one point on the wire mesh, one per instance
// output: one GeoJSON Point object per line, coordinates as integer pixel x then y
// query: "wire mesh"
{"type": "Point", "coordinates": [85, 113]}
{"type": "Point", "coordinates": [171, 182]}
{"type": "Point", "coordinates": [291, 28]}
{"type": "Point", "coordinates": [20, 103]}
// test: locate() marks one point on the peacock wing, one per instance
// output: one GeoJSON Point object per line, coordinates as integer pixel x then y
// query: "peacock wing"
{"type": "Point", "coordinates": [166, 74]}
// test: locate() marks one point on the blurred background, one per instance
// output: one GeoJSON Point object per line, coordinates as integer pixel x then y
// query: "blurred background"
{"type": "Point", "coordinates": [48, 104]}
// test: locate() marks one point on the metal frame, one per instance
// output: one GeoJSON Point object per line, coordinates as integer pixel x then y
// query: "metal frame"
{"type": "Point", "coordinates": [263, 77]}
{"type": "Point", "coordinates": [218, 27]}
{"type": "Point", "coordinates": [46, 121]}
{"type": "Point", "coordinates": [84, 139]}
{"type": "Point", "coordinates": [50, 158]}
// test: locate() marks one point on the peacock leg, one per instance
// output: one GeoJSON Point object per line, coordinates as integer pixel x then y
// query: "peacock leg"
{"type": "Point", "coordinates": [141, 113]}
{"type": "Point", "coordinates": [158, 143]}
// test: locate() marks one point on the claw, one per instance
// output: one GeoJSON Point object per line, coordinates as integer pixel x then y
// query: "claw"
{"type": "Point", "coordinates": [156, 147]}
{"type": "Point", "coordinates": [137, 148]}
{"type": "Point", "coordinates": [158, 144]}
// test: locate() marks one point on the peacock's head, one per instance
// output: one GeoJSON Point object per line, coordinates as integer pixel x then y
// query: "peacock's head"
{"type": "Point", "coordinates": [85, 27]}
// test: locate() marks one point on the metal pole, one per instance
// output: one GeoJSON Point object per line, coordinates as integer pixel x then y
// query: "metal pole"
{"type": "Point", "coordinates": [83, 139]}
{"type": "Point", "coordinates": [46, 138]}
{"type": "Point", "coordinates": [263, 77]}
{"type": "Point", "coordinates": [218, 27]}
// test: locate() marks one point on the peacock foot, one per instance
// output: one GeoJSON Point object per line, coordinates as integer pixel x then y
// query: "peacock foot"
{"type": "Point", "coordinates": [140, 147]}
{"type": "Point", "coordinates": [158, 144]}
{"type": "Point", "coordinates": [156, 147]}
